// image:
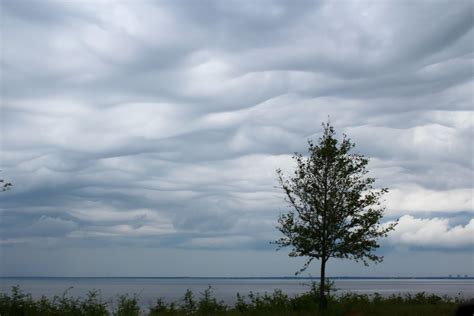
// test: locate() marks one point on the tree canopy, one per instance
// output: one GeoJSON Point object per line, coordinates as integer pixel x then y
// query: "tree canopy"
{"type": "Point", "coordinates": [335, 210]}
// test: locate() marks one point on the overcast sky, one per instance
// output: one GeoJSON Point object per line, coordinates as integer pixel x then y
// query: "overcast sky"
{"type": "Point", "coordinates": [142, 137]}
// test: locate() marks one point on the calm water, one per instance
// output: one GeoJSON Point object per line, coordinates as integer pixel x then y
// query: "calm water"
{"type": "Point", "coordinates": [149, 289]}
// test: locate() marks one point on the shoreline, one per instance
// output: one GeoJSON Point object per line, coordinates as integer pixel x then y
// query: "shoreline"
{"type": "Point", "coordinates": [238, 278]}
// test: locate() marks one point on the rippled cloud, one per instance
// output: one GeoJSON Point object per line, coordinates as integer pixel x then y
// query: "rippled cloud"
{"type": "Point", "coordinates": [162, 123]}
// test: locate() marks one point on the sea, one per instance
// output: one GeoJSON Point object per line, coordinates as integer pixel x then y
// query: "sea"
{"type": "Point", "coordinates": [147, 290]}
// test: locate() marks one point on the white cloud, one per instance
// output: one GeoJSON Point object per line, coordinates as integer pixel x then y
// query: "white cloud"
{"type": "Point", "coordinates": [432, 233]}
{"type": "Point", "coordinates": [416, 199]}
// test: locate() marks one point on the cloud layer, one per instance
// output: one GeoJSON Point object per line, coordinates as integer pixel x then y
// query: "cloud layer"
{"type": "Point", "coordinates": [162, 123]}
{"type": "Point", "coordinates": [433, 233]}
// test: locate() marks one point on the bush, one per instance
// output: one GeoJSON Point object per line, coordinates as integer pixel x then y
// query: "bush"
{"type": "Point", "coordinates": [93, 305]}
{"type": "Point", "coordinates": [208, 305]}
{"type": "Point", "coordinates": [18, 303]}
{"type": "Point", "coordinates": [161, 308]}
{"type": "Point", "coordinates": [127, 306]}
{"type": "Point", "coordinates": [188, 305]}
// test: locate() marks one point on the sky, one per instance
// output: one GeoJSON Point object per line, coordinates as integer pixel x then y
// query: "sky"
{"type": "Point", "coordinates": [142, 137]}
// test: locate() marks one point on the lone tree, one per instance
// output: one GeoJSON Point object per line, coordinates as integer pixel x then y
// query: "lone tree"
{"type": "Point", "coordinates": [336, 211]}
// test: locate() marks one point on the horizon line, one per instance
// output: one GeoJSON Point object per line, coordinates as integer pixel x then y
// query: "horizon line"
{"type": "Point", "coordinates": [240, 277]}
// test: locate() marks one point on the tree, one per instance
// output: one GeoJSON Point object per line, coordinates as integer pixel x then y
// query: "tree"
{"type": "Point", "coordinates": [335, 211]}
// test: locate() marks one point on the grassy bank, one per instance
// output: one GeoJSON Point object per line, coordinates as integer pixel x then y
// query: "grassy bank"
{"type": "Point", "coordinates": [17, 303]}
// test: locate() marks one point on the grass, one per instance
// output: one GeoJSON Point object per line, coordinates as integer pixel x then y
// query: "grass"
{"type": "Point", "coordinates": [17, 303]}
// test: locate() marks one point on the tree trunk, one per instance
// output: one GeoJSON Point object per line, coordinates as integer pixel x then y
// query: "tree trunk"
{"type": "Point", "coordinates": [322, 281]}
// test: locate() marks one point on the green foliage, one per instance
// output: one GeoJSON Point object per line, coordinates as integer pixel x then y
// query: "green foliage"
{"type": "Point", "coordinates": [208, 305]}
{"type": "Point", "coordinates": [278, 302]}
{"type": "Point", "coordinates": [274, 304]}
{"type": "Point", "coordinates": [240, 304]}
{"type": "Point", "coordinates": [21, 304]}
{"type": "Point", "coordinates": [418, 304]}
{"type": "Point", "coordinates": [161, 308]}
{"type": "Point", "coordinates": [93, 306]}
{"type": "Point", "coordinates": [335, 210]}
{"type": "Point", "coordinates": [189, 305]}
{"type": "Point", "coordinates": [127, 306]}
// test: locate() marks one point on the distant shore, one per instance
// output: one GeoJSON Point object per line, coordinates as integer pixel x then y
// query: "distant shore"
{"type": "Point", "coordinates": [247, 278]}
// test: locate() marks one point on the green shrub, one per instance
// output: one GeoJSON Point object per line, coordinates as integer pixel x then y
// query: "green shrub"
{"type": "Point", "coordinates": [93, 306]}
{"type": "Point", "coordinates": [161, 308]}
{"type": "Point", "coordinates": [17, 303]}
{"type": "Point", "coordinates": [208, 305]}
{"type": "Point", "coordinates": [240, 304]}
{"type": "Point", "coordinates": [127, 306]}
{"type": "Point", "coordinates": [188, 305]}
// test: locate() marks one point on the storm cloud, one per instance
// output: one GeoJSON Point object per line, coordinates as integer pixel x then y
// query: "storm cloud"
{"type": "Point", "coordinates": [160, 124]}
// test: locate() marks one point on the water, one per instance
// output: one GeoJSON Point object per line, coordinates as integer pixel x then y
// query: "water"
{"type": "Point", "coordinates": [149, 289]}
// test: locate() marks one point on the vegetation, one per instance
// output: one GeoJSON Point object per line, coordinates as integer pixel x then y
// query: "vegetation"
{"type": "Point", "coordinates": [277, 303]}
{"type": "Point", "coordinates": [336, 211]}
